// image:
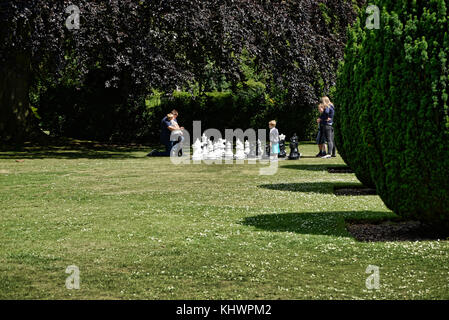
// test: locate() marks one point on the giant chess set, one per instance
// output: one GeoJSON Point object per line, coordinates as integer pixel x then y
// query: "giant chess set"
{"type": "Point", "coordinates": [207, 149]}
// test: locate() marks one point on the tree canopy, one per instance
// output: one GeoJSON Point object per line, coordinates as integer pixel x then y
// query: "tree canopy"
{"type": "Point", "coordinates": [164, 44]}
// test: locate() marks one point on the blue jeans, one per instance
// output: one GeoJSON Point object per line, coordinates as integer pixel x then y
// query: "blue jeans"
{"type": "Point", "coordinates": [328, 131]}
{"type": "Point", "coordinates": [177, 145]}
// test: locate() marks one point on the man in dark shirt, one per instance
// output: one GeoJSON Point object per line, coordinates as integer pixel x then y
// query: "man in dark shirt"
{"type": "Point", "coordinates": [166, 129]}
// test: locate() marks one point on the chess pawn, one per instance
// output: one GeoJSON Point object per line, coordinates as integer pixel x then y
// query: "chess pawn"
{"type": "Point", "coordinates": [197, 154]}
{"type": "Point", "coordinates": [223, 148]}
{"type": "Point", "coordinates": [252, 150]}
{"type": "Point", "coordinates": [260, 152]}
{"type": "Point", "coordinates": [229, 155]}
{"type": "Point", "coordinates": [217, 150]}
{"type": "Point", "coordinates": [246, 148]}
{"type": "Point", "coordinates": [239, 150]}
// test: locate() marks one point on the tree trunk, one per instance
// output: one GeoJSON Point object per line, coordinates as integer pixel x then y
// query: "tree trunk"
{"type": "Point", "coordinates": [17, 122]}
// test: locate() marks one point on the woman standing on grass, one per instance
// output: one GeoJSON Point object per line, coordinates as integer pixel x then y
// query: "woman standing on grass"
{"type": "Point", "coordinates": [320, 135]}
{"type": "Point", "coordinates": [327, 122]}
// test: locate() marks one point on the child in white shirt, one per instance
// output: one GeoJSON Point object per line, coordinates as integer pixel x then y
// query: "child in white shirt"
{"type": "Point", "coordinates": [274, 141]}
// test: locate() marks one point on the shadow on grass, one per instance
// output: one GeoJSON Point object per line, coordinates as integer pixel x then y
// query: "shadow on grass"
{"type": "Point", "coordinates": [73, 150]}
{"type": "Point", "coordinates": [317, 187]}
{"type": "Point", "coordinates": [312, 223]}
{"type": "Point", "coordinates": [313, 167]}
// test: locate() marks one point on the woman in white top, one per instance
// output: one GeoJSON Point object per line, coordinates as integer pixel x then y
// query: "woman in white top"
{"type": "Point", "coordinates": [175, 134]}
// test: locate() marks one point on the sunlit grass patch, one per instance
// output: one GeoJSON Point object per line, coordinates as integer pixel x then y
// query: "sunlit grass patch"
{"type": "Point", "coordinates": [144, 228]}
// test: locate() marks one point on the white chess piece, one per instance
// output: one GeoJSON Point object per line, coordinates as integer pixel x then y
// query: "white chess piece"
{"type": "Point", "coordinates": [260, 151]}
{"type": "Point", "coordinates": [210, 150]}
{"type": "Point", "coordinates": [221, 148]}
{"type": "Point", "coordinates": [252, 150]}
{"type": "Point", "coordinates": [229, 155]}
{"type": "Point", "coordinates": [197, 154]}
{"type": "Point", "coordinates": [247, 148]}
{"type": "Point", "coordinates": [205, 150]}
{"type": "Point", "coordinates": [239, 150]}
{"type": "Point", "coordinates": [217, 149]}
{"type": "Point", "coordinates": [204, 140]}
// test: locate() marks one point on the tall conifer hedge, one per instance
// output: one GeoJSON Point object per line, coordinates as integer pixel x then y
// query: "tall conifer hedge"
{"type": "Point", "coordinates": [392, 98]}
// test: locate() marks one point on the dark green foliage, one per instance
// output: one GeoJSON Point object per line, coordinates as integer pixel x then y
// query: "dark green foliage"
{"type": "Point", "coordinates": [350, 99]}
{"type": "Point", "coordinates": [144, 45]}
{"type": "Point", "coordinates": [246, 107]}
{"type": "Point", "coordinates": [393, 107]}
{"type": "Point", "coordinates": [93, 112]}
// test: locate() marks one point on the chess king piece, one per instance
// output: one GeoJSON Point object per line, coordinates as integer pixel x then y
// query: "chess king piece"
{"type": "Point", "coordinates": [205, 151]}
{"type": "Point", "coordinates": [282, 153]}
{"type": "Point", "coordinates": [197, 152]}
{"type": "Point", "coordinates": [229, 155]}
{"type": "Point", "coordinates": [294, 153]}
{"type": "Point", "coordinates": [239, 150]}
{"type": "Point", "coordinates": [203, 140]}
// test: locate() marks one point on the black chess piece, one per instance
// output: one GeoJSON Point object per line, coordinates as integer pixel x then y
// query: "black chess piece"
{"type": "Point", "coordinates": [267, 151]}
{"type": "Point", "coordinates": [282, 152]}
{"type": "Point", "coordinates": [294, 153]}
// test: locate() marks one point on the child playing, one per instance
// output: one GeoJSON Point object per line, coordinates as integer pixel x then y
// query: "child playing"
{"type": "Point", "coordinates": [274, 141]}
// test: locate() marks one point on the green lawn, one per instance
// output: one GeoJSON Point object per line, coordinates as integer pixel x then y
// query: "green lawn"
{"type": "Point", "coordinates": [141, 228]}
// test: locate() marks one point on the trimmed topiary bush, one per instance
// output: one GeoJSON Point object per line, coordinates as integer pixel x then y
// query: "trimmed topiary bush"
{"type": "Point", "coordinates": [393, 122]}
{"type": "Point", "coordinates": [348, 137]}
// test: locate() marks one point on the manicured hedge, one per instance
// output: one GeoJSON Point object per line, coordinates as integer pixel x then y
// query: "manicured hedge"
{"type": "Point", "coordinates": [348, 136]}
{"type": "Point", "coordinates": [393, 120]}
{"type": "Point", "coordinates": [249, 106]}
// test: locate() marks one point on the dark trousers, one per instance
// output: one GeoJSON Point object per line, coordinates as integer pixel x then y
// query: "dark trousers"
{"type": "Point", "coordinates": [328, 131]}
{"type": "Point", "coordinates": [168, 147]}
{"type": "Point", "coordinates": [171, 147]}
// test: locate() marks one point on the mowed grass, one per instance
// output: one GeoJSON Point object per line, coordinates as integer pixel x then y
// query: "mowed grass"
{"type": "Point", "coordinates": [141, 228]}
